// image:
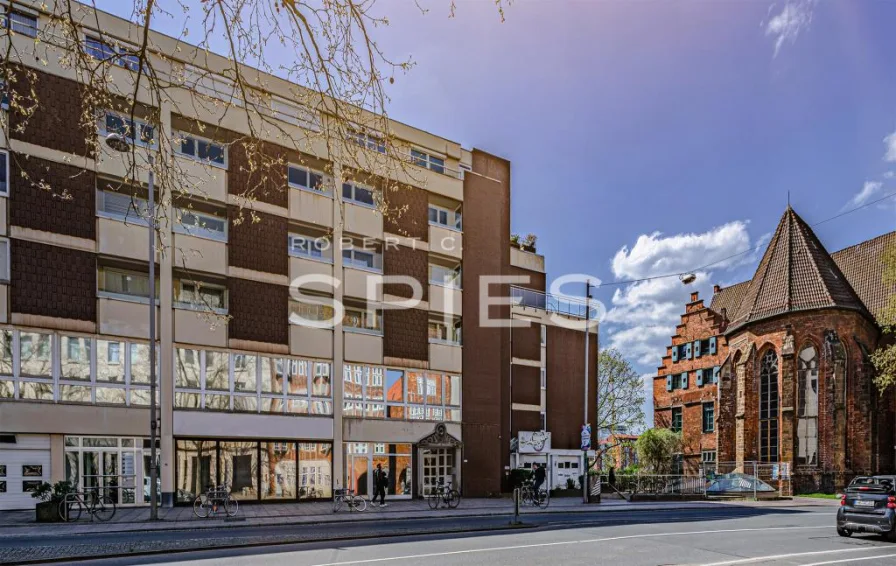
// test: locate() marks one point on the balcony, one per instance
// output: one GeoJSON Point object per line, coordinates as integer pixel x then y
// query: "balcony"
{"type": "Point", "coordinates": [201, 179]}
{"type": "Point", "coordinates": [311, 207]}
{"type": "Point", "coordinates": [553, 304]}
{"type": "Point", "coordinates": [446, 241]}
{"type": "Point", "coordinates": [125, 317]}
{"type": "Point", "coordinates": [363, 221]}
{"type": "Point", "coordinates": [446, 357]}
{"type": "Point", "coordinates": [445, 299]}
{"type": "Point", "coordinates": [312, 342]}
{"type": "Point", "coordinates": [365, 348]}
{"type": "Point", "coordinates": [122, 239]}
{"type": "Point", "coordinates": [200, 328]}
{"type": "Point", "coordinates": [355, 283]}
{"type": "Point", "coordinates": [200, 254]}
{"type": "Point", "coordinates": [300, 265]}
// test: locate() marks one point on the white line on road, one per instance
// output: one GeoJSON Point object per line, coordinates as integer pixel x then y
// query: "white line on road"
{"type": "Point", "coordinates": [792, 555]}
{"type": "Point", "coordinates": [852, 559]}
{"type": "Point", "coordinates": [560, 543]}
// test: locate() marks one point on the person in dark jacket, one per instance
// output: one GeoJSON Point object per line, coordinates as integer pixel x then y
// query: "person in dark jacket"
{"type": "Point", "coordinates": [539, 475]}
{"type": "Point", "coordinates": [380, 483]}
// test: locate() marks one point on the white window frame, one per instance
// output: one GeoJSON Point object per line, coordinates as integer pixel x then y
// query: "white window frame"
{"type": "Point", "coordinates": [544, 378]}
{"type": "Point", "coordinates": [452, 217]}
{"type": "Point", "coordinates": [352, 200]}
{"type": "Point", "coordinates": [463, 169]}
{"type": "Point", "coordinates": [454, 283]}
{"type": "Point", "coordinates": [454, 332]}
{"type": "Point", "coordinates": [424, 158]}
{"type": "Point", "coordinates": [326, 181]}
{"type": "Point", "coordinates": [5, 192]}
{"type": "Point", "coordinates": [199, 306]}
{"type": "Point", "coordinates": [120, 57]}
{"type": "Point", "coordinates": [4, 242]}
{"type": "Point", "coordinates": [123, 296]}
{"type": "Point", "coordinates": [326, 253]}
{"type": "Point", "coordinates": [182, 136]}
{"type": "Point", "coordinates": [200, 231]}
{"type": "Point", "coordinates": [129, 218]}
{"type": "Point", "coordinates": [8, 11]}
{"type": "Point", "coordinates": [350, 262]}
{"type": "Point", "coordinates": [364, 315]}
{"type": "Point", "coordinates": [367, 140]}
{"type": "Point", "coordinates": [137, 125]}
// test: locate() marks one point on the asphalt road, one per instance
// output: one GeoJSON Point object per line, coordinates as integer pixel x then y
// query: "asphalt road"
{"type": "Point", "coordinates": [723, 537]}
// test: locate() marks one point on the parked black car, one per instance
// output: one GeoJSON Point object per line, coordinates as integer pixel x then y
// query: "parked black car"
{"type": "Point", "coordinates": [868, 506]}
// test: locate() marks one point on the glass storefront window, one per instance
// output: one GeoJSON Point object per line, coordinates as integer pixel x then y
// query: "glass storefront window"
{"type": "Point", "coordinates": [110, 361]}
{"type": "Point", "coordinates": [196, 462]}
{"type": "Point", "coordinates": [244, 372]}
{"type": "Point", "coordinates": [271, 375]}
{"type": "Point", "coordinates": [452, 390]}
{"type": "Point", "coordinates": [297, 376]}
{"type": "Point", "coordinates": [75, 394]}
{"type": "Point", "coordinates": [5, 352]}
{"type": "Point", "coordinates": [187, 364]}
{"type": "Point", "coordinates": [35, 351]}
{"type": "Point", "coordinates": [217, 371]}
{"type": "Point", "coordinates": [7, 389]}
{"type": "Point", "coordinates": [76, 352]}
{"type": "Point", "coordinates": [217, 402]}
{"type": "Point", "coordinates": [245, 404]}
{"type": "Point", "coordinates": [351, 381]}
{"type": "Point", "coordinates": [315, 470]}
{"type": "Point", "coordinates": [36, 391]}
{"type": "Point", "coordinates": [321, 385]}
{"type": "Point", "coordinates": [416, 388]}
{"type": "Point", "coordinates": [239, 467]}
{"type": "Point", "coordinates": [278, 470]}
{"type": "Point", "coordinates": [433, 389]}
{"type": "Point", "coordinates": [362, 458]}
{"type": "Point", "coordinates": [374, 382]}
{"type": "Point", "coordinates": [271, 404]}
{"type": "Point", "coordinates": [140, 364]}
{"type": "Point", "coordinates": [394, 386]}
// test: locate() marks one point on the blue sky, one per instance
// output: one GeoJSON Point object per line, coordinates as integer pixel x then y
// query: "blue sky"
{"type": "Point", "coordinates": [658, 136]}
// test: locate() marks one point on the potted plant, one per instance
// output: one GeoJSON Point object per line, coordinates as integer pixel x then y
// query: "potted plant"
{"type": "Point", "coordinates": [528, 243]}
{"type": "Point", "coordinates": [47, 508]}
{"type": "Point", "coordinates": [515, 240]}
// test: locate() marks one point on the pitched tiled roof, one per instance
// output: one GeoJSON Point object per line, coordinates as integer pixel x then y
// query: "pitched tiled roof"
{"type": "Point", "coordinates": [796, 273]}
{"type": "Point", "coordinates": [729, 298]}
{"type": "Point", "coordinates": [863, 267]}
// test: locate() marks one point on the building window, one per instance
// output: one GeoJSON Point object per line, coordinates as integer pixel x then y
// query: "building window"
{"type": "Point", "coordinates": [201, 149]}
{"type": "Point", "coordinates": [677, 465]}
{"type": "Point", "coordinates": [368, 141]}
{"type": "Point", "coordinates": [676, 419]}
{"type": "Point", "coordinates": [358, 194]}
{"type": "Point", "coordinates": [544, 421]}
{"type": "Point", "coordinates": [807, 407]}
{"type": "Point", "coordinates": [308, 179]}
{"type": "Point", "coordinates": [362, 319]}
{"type": "Point", "coordinates": [127, 283]}
{"type": "Point", "coordinates": [768, 408]}
{"type": "Point", "coordinates": [135, 131]}
{"type": "Point", "coordinates": [544, 378]}
{"type": "Point", "coordinates": [445, 276]}
{"type": "Point", "coordinates": [408, 395]}
{"type": "Point", "coordinates": [201, 296]}
{"type": "Point", "coordinates": [310, 247]}
{"type": "Point", "coordinates": [441, 216]}
{"type": "Point", "coordinates": [544, 334]}
{"type": "Point", "coordinates": [4, 260]}
{"type": "Point", "coordinates": [428, 161]}
{"type": "Point", "coordinates": [312, 312]}
{"type": "Point", "coordinates": [119, 206]}
{"type": "Point", "coordinates": [201, 224]}
{"type": "Point", "coordinates": [21, 23]}
{"type": "Point", "coordinates": [102, 51]}
{"type": "Point", "coordinates": [4, 173]}
{"type": "Point", "coordinates": [362, 258]}
{"type": "Point", "coordinates": [709, 415]}
{"type": "Point", "coordinates": [442, 332]}
{"type": "Point", "coordinates": [708, 459]}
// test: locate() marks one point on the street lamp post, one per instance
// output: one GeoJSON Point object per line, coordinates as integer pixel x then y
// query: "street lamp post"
{"type": "Point", "coordinates": [585, 447]}
{"type": "Point", "coordinates": [120, 144]}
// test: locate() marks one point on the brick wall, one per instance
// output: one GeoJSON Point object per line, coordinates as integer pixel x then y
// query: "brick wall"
{"type": "Point", "coordinates": [526, 386]}
{"type": "Point", "coordinates": [565, 386]}
{"type": "Point", "coordinates": [405, 334]}
{"type": "Point", "coordinates": [258, 170]}
{"type": "Point", "coordinates": [537, 280]}
{"type": "Point", "coordinates": [527, 342]}
{"type": "Point", "coordinates": [408, 213]}
{"type": "Point", "coordinates": [526, 421]}
{"type": "Point", "coordinates": [52, 281]}
{"type": "Point", "coordinates": [67, 207]}
{"type": "Point", "coordinates": [402, 260]}
{"type": "Point", "coordinates": [57, 122]}
{"type": "Point", "coordinates": [258, 311]}
{"type": "Point", "coordinates": [260, 246]}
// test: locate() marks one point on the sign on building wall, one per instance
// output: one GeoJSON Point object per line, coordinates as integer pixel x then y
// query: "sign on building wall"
{"type": "Point", "coordinates": [534, 442]}
{"type": "Point", "coordinates": [586, 437]}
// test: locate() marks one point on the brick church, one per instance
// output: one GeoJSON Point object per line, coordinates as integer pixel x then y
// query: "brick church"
{"type": "Point", "coordinates": [776, 370]}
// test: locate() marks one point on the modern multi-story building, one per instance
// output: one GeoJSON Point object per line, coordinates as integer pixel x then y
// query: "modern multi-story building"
{"type": "Point", "coordinates": [253, 393]}
{"type": "Point", "coordinates": [791, 380]}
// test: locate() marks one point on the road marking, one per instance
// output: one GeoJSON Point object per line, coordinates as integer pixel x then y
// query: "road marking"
{"type": "Point", "coordinates": [853, 559]}
{"type": "Point", "coordinates": [559, 543]}
{"type": "Point", "coordinates": [794, 555]}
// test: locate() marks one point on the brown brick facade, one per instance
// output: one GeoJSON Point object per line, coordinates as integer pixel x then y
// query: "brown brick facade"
{"type": "Point", "coordinates": [527, 386]}
{"type": "Point", "coordinates": [405, 334]}
{"type": "Point", "coordinates": [56, 123]}
{"type": "Point", "coordinates": [258, 170]}
{"type": "Point", "coordinates": [260, 246]}
{"type": "Point", "coordinates": [402, 260]}
{"type": "Point", "coordinates": [565, 386]}
{"type": "Point", "coordinates": [52, 281]}
{"type": "Point", "coordinates": [67, 206]}
{"type": "Point", "coordinates": [526, 421]}
{"type": "Point", "coordinates": [526, 342]}
{"type": "Point", "coordinates": [258, 311]}
{"type": "Point", "coordinates": [408, 213]}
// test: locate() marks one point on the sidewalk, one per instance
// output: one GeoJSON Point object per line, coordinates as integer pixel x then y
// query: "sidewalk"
{"type": "Point", "coordinates": [21, 523]}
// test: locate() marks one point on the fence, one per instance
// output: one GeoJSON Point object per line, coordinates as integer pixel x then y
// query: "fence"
{"type": "Point", "coordinates": [760, 478]}
{"type": "Point", "coordinates": [667, 484]}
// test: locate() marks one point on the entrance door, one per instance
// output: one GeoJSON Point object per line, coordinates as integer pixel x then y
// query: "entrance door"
{"type": "Point", "coordinates": [438, 467]}
{"type": "Point", "coordinates": [359, 468]}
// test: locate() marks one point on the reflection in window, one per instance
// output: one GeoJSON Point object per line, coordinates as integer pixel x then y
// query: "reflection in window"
{"type": "Point", "coordinates": [244, 372]}
{"type": "Point", "coordinates": [239, 465]}
{"type": "Point", "coordinates": [394, 385]}
{"type": "Point", "coordinates": [217, 371]}
{"type": "Point", "coordinates": [5, 352]}
{"type": "Point", "coordinates": [140, 364]}
{"type": "Point", "coordinates": [217, 402]}
{"type": "Point", "coordinates": [36, 391]}
{"type": "Point", "coordinates": [416, 388]}
{"type": "Point", "coordinates": [315, 469]}
{"type": "Point", "coordinates": [196, 468]}
{"type": "Point", "coordinates": [452, 390]}
{"type": "Point", "coordinates": [297, 406]}
{"type": "Point", "coordinates": [245, 403]}
{"type": "Point", "coordinates": [433, 389]}
{"type": "Point", "coordinates": [187, 368]}
{"type": "Point", "coordinates": [34, 351]}
{"type": "Point", "coordinates": [186, 400]}
{"type": "Point", "coordinates": [278, 470]}
{"type": "Point", "coordinates": [110, 361]}
{"type": "Point", "coordinates": [321, 386]}
{"type": "Point", "coordinates": [75, 393]}
{"type": "Point", "coordinates": [76, 358]}
{"type": "Point", "coordinates": [271, 375]}
{"type": "Point", "coordinates": [297, 376]}
{"type": "Point", "coordinates": [112, 396]}
{"type": "Point", "coordinates": [352, 381]}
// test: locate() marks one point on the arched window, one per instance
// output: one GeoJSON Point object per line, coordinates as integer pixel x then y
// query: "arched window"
{"type": "Point", "coordinates": [768, 408]}
{"type": "Point", "coordinates": [807, 407]}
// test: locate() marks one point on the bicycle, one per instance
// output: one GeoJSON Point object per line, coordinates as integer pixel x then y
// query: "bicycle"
{"type": "Point", "coordinates": [215, 497]}
{"type": "Point", "coordinates": [443, 495]}
{"type": "Point", "coordinates": [99, 506]}
{"type": "Point", "coordinates": [347, 496]}
{"type": "Point", "coordinates": [530, 496]}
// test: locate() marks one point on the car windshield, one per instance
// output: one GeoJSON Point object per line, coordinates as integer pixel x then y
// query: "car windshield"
{"type": "Point", "coordinates": [867, 483]}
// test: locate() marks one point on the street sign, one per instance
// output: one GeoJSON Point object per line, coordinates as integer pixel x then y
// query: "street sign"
{"type": "Point", "coordinates": [586, 437]}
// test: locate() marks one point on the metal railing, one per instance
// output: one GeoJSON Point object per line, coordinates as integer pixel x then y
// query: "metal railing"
{"type": "Point", "coordinates": [559, 304]}
{"type": "Point", "coordinates": [665, 484]}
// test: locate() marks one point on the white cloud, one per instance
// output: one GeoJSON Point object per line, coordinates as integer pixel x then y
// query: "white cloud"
{"type": "Point", "coordinates": [889, 174]}
{"type": "Point", "coordinates": [785, 26]}
{"type": "Point", "coordinates": [869, 190]}
{"type": "Point", "coordinates": [890, 142]}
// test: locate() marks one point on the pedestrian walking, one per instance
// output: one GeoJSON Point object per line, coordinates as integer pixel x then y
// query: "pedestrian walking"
{"type": "Point", "coordinates": [380, 483]}
{"type": "Point", "coordinates": [612, 478]}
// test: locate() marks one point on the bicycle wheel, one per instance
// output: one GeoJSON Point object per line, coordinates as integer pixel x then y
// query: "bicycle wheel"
{"type": "Point", "coordinates": [540, 499]}
{"type": "Point", "coordinates": [358, 503]}
{"type": "Point", "coordinates": [69, 510]}
{"type": "Point", "coordinates": [526, 496]}
{"type": "Point", "coordinates": [433, 499]}
{"type": "Point", "coordinates": [104, 508]}
{"type": "Point", "coordinates": [453, 498]}
{"type": "Point", "coordinates": [231, 506]}
{"type": "Point", "coordinates": [201, 507]}
{"type": "Point", "coordinates": [337, 503]}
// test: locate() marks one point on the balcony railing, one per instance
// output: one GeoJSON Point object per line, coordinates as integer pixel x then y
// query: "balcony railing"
{"type": "Point", "coordinates": [568, 306]}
